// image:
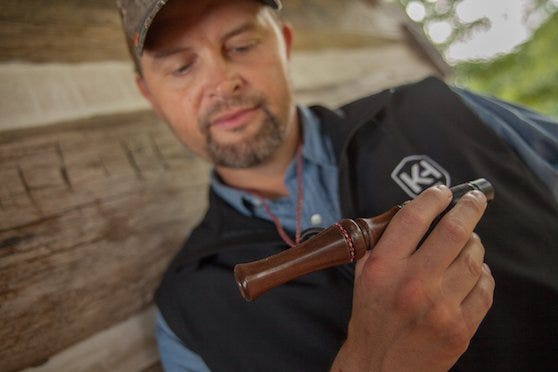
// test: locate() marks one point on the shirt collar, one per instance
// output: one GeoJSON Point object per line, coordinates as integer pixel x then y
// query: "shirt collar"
{"type": "Point", "coordinates": [317, 147]}
{"type": "Point", "coordinates": [316, 150]}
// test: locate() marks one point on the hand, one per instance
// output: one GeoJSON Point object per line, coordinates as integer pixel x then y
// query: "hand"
{"type": "Point", "coordinates": [416, 310]}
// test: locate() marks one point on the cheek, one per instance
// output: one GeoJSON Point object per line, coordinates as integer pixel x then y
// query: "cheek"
{"type": "Point", "coordinates": [181, 114]}
{"type": "Point", "coordinates": [188, 134]}
{"type": "Point", "coordinates": [187, 130]}
{"type": "Point", "coordinates": [279, 90]}
{"type": "Point", "coordinates": [278, 77]}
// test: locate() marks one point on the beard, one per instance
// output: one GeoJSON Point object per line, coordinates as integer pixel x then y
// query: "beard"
{"type": "Point", "coordinates": [252, 151]}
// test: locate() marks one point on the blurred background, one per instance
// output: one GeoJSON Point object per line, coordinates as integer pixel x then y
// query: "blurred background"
{"type": "Point", "coordinates": [96, 194]}
{"type": "Point", "coordinates": [506, 48]}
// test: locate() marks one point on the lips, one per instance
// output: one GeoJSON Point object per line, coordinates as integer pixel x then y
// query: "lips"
{"type": "Point", "coordinates": [233, 119]}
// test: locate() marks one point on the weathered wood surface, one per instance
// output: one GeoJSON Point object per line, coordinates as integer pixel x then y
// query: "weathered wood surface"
{"type": "Point", "coordinates": [89, 30]}
{"type": "Point", "coordinates": [126, 347]}
{"type": "Point", "coordinates": [90, 214]}
{"type": "Point", "coordinates": [60, 30]}
{"type": "Point", "coordinates": [338, 43]}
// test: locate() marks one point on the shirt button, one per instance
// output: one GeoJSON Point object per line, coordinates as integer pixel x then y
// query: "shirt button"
{"type": "Point", "coordinates": [316, 219]}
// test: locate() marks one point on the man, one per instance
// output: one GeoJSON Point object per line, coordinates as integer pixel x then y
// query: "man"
{"type": "Point", "coordinates": [217, 72]}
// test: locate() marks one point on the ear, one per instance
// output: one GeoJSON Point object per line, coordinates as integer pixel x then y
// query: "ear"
{"type": "Point", "coordinates": [146, 93]}
{"type": "Point", "coordinates": [287, 31]}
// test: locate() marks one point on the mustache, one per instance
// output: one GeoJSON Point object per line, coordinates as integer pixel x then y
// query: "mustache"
{"type": "Point", "coordinates": [238, 101]}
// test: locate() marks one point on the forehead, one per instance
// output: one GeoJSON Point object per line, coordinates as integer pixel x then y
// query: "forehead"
{"type": "Point", "coordinates": [180, 18]}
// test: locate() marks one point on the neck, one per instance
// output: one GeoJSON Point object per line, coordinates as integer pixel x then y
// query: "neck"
{"type": "Point", "coordinates": [268, 178]}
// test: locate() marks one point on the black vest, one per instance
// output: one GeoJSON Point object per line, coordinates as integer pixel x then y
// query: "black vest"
{"type": "Point", "coordinates": [300, 326]}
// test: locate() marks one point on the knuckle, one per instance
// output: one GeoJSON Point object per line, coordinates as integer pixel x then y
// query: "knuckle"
{"type": "Point", "coordinates": [486, 295]}
{"type": "Point", "coordinates": [374, 269]}
{"type": "Point", "coordinates": [411, 218]}
{"type": "Point", "coordinates": [450, 327]}
{"type": "Point", "coordinates": [441, 194]}
{"type": "Point", "coordinates": [477, 242]}
{"type": "Point", "coordinates": [454, 229]}
{"type": "Point", "coordinates": [470, 200]}
{"type": "Point", "coordinates": [474, 266]}
{"type": "Point", "coordinates": [411, 297]}
{"type": "Point", "coordinates": [457, 339]}
{"type": "Point", "coordinates": [438, 318]}
{"type": "Point", "coordinates": [492, 282]}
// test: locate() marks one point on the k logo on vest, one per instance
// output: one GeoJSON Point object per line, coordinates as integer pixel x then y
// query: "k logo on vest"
{"type": "Point", "coordinates": [416, 173]}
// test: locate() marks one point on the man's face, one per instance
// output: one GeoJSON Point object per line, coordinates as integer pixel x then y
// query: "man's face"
{"type": "Point", "coordinates": [217, 72]}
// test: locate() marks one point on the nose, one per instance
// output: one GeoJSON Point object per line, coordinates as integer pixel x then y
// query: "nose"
{"type": "Point", "coordinates": [223, 80]}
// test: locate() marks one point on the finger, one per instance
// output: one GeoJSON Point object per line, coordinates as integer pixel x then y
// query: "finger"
{"type": "Point", "coordinates": [464, 271]}
{"type": "Point", "coordinates": [360, 263]}
{"type": "Point", "coordinates": [452, 232]}
{"type": "Point", "coordinates": [479, 300]}
{"type": "Point", "coordinates": [409, 225]}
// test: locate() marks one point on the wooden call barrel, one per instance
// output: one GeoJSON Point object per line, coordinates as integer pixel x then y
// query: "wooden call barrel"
{"type": "Point", "coordinates": [341, 243]}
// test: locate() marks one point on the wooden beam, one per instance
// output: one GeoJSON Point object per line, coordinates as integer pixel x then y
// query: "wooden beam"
{"type": "Point", "coordinates": [90, 214]}
{"type": "Point", "coordinates": [90, 30]}
{"type": "Point", "coordinates": [424, 48]}
{"type": "Point", "coordinates": [127, 346]}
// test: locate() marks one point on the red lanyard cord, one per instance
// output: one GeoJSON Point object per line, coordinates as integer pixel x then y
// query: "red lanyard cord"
{"type": "Point", "coordinates": [299, 202]}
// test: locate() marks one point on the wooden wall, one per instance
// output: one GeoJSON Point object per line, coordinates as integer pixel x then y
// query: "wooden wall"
{"type": "Point", "coordinates": [96, 194]}
{"type": "Point", "coordinates": [90, 213]}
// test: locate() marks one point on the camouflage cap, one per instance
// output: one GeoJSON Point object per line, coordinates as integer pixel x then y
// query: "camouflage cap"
{"type": "Point", "coordinates": [137, 16]}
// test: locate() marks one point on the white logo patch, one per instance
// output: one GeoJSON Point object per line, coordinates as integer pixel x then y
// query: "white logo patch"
{"type": "Point", "coordinates": [416, 173]}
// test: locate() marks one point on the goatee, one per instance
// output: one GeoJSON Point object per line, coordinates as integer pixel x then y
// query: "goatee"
{"type": "Point", "coordinates": [254, 150]}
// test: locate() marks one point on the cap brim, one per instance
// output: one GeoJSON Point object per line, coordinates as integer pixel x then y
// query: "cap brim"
{"type": "Point", "coordinates": [140, 41]}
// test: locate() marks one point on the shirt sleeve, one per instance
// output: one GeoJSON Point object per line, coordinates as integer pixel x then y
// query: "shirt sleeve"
{"type": "Point", "coordinates": [175, 357]}
{"type": "Point", "coordinates": [533, 136]}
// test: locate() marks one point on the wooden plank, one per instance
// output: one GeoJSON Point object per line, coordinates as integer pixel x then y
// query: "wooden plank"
{"type": "Point", "coordinates": [127, 346]}
{"type": "Point", "coordinates": [31, 31]}
{"type": "Point", "coordinates": [56, 30]}
{"type": "Point", "coordinates": [91, 213]}
{"type": "Point", "coordinates": [378, 69]}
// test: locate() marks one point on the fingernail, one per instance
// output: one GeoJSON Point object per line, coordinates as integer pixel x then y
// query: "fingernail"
{"type": "Point", "coordinates": [444, 189]}
{"type": "Point", "coordinates": [486, 268]}
{"type": "Point", "coordinates": [477, 236]}
{"type": "Point", "coordinates": [477, 194]}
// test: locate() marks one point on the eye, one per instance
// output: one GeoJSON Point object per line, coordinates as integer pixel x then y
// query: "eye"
{"type": "Point", "coordinates": [182, 70]}
{"type": "Point", "coordinates": [243, 47]}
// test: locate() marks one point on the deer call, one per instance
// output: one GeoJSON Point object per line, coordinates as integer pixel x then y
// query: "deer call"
{"type": "Point", "coordinates": [341, 243]}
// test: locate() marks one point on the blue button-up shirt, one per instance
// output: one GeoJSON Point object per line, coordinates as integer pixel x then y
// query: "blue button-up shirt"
{"type": "Point", "coordinates": [532, 136]}
{"type": "Point", "coordinates": [320, 186]}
